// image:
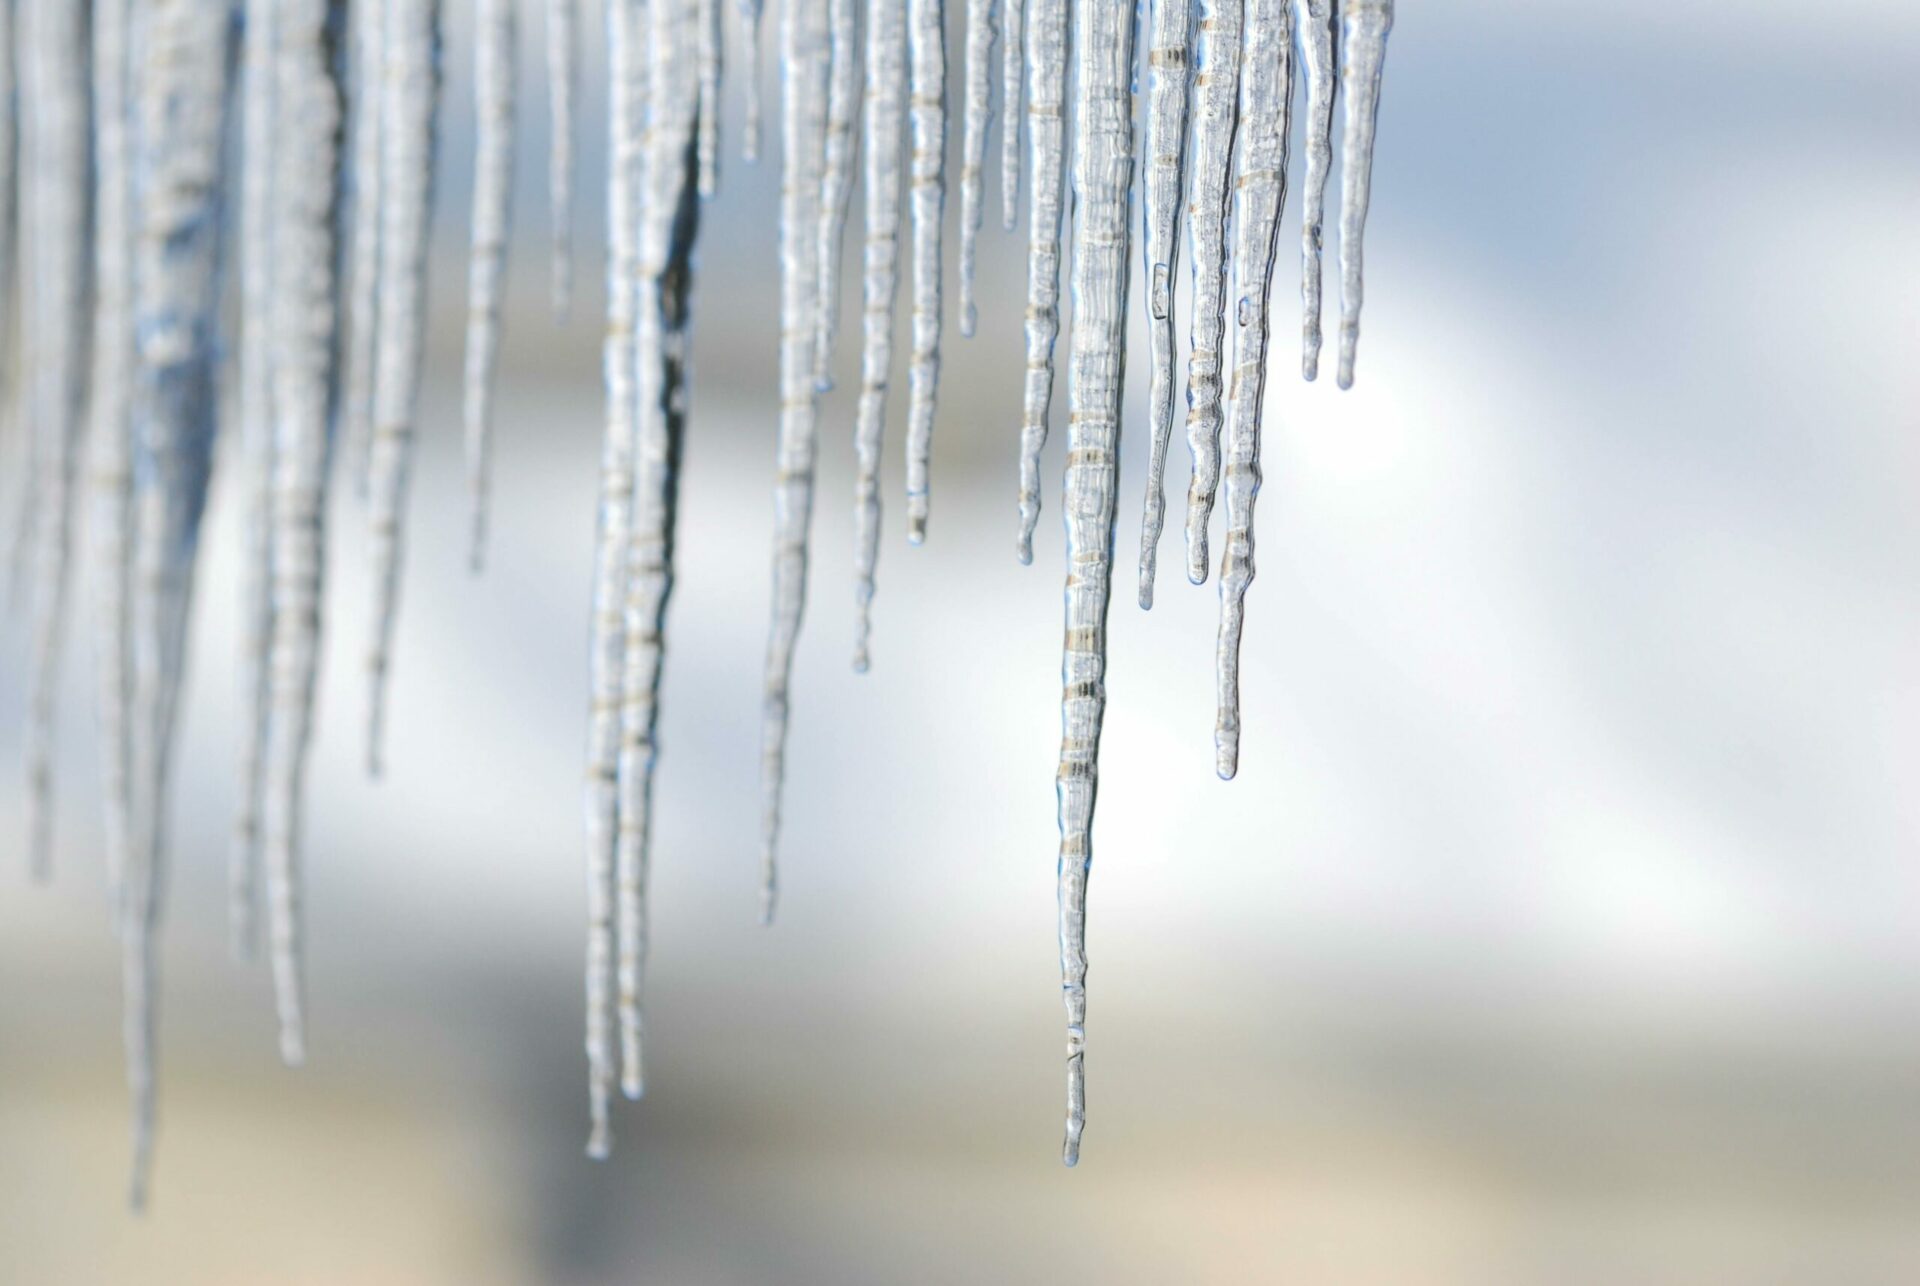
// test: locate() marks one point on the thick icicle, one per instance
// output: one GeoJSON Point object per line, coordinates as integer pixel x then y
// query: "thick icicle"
{"type": "Point", "coordinates": [260, 140]}
{"type": "Point", "coordinates": [1012, 70]}
{"type": "Point", "coordinates": [712, 51]}
{"type": "Point", "coordinates": [750, 13]}
{"type": "Point", "coordinates": [927, 113]}
{"type": "Point", "coordinates": [804, 55]}
{"type": "Point", "coordinates": [1166, 153]}
{"type": "Point", "coordinates": [1046, 134]}
{"type": "Point", "coordinates": [836, 179]}
{"type": "Point", "coordinates": [1102, 172]}
{"type": "Point", "coordinates": [56, 344]}
{"type": "Point", "coordinates": [495, 42]}
{"type": "Point", "coordinates": [1313, 22]}
{"type": "Point", "coordinates": [607, 651]}
{"type": "Point", "coordinates": [885, 118]}
{"type": "Point", "coordinates": [1364, 25]}
{"type": "Point", "coordinates": [1216, 116]}
{"type": "Point", "coordinates": [369, 20]}
{"type": "Point", "coordinates": [1266, 96]}
{"type": "Point", "coordinates": [669, 212]}
{"type": "Point", "coordinates": [305, 195]}
{"type": "Point", "coordinates": [410, 93]}
{"type": "Point", "coordinates": [981, 33]}
{"type": "Point", "coordinates": [185, 63]}
{"type": "Point", "coordinates": [563, 76]}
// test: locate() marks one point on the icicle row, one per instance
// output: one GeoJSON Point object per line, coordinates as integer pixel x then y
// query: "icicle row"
{"type": "Point", "coordinates": [981, 33]}
{"type": "Point", "coordinates": [496, 38]}
{"type": "Point", "coordinates": [927, 113]}
{"type": "Point", "coordinates": [563, 75]}
{"type": "Point", "coordinates": [1364, 25]}
{"type": "Point", "coordinates": [836, 180]}
{"type": "Point", "coordinates": [1313, 22]}
{"type": "Point", "coordinates": [1046, 133]}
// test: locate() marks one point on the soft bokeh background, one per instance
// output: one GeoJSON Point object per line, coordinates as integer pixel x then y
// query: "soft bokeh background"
{"type": "Point", "coordinates": [1563, 925]}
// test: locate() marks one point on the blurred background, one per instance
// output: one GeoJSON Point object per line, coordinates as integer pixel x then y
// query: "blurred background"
{"type": "Point", "coordinates": [1563, 924]}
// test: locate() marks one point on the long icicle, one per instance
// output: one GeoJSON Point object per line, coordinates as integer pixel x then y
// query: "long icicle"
{"type": "Point", "coordinates": [1216, 117]}
{"type": "Point", "coordinates": [607, 651]}
{"type": "Point", "coordinates": [1046, 134]}
{"type": "Point", "coordinates": [305, 199]}
{"type": "Point", "coordinates": [563, 76]}
{"type": "Point", "coordinates": [1166, 152]}
{"type": "Point", "coordinates": [495, 42]}
{"type": "Point", "coordinates": [981, 33]}
{"type": "Point", "coordinates": [412, 87]}
{"type": "Point", "coordinates": [1364, 25]}
{"type": "Point", "coordinates": [1012, 74]}
{"type": "Point", "coordinates": [369, 21]}
{"type": "Point", "coordinates": [185, 64]}
{"type": "Point", "coordinates": [836, 179]}
{"type": "Point", "coordinates": [58, 274]}
{"type": "Point", "coordinates": [1313, 22]}
{"type": "Point", "coordinates": [1266, 97]}
{"type": "Point", "coordinates": [884, 126]}
{"type": "Point", "coordinates": [927, 113]}
{"type": "Point", "coordinates": [804, 55]}
{"type": "Point", "coordinates": [1102, 173]}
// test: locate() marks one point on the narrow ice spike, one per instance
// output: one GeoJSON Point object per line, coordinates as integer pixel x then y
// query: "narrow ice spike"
{"type": "Point", "coordinates": [750, 14]}
{"type": "Point", "coordinates": [927, 114]}
{"type": "Point", "coordinates": [1314, 22]}
{"type": "Point", "coordinates": [1364, 25]}
{"type": "Point", "coordinates": [1046, 134]}
{"type": "Point", "coordinates": [369, 22]}
{"type": "Point", "coordinates": [1012, 76]}
{"type": "Point", "coordinates": [981, 33]}
{"type": "Point", "coordinates": [495, 42]}
{"type": "Point", "coordinates": [563, 78]}
{"type": "Point", "coordinates": [836, 181]}
{"type": "Point", "coordinates": [712, 53]}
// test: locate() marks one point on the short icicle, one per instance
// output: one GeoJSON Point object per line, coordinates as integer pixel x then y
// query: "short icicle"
{"type": "Point", "coordinates": [884, 122]}
{"type": "Point", "coordinates": [836, 179]}
{"type": "Point", "coordinates": [495, 43]}
{"type": "Point", "coordinates": [1102, 174]}
{"type": "Point", "coordinates": [981, 33]}
{"type": "Point", "coordinates": [1046, 135]}
{"type": "Point", "coordinates": [1012, 76]}
{"type": "Point", "coordinates": [927, 114]}
{"type": "Point", "coordinates": [369, 21]}
{"type": "Point", "coordinates": [563, 77]}
{"type": "Point", "coordinates": [1166, 150]}
{"type": "Point", "coordinates": [1313, 22]}
{"type": "Point", "coordinates": [1364, 25]}
{"type": "Point", "coordinates": [1266, 96]}
{"type": "Point", "coordinates": [712, 54]}
{"type": "Point", "coordinates": [750, 15]}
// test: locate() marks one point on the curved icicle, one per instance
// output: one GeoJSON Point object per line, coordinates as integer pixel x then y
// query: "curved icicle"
{"type": "Point", "coordinates": [884, 125]}
{"type": "Point", "coordinates": [1313, 22]}
{"type": "Point", "coordinates": [369, 20]}
{"type": "Point", "coordinates": [495, 42]}
{"type": "Point", "coordinates": [836, 181]}
{"type": "Point", "coordinates": [563, 77]}
{"type": "Point", "coordinates": [1046, 133]}
{"type": "Point", "coordinates": [1012, 70]}
{"type": "Point", "coordinates": [1166, 156]}
{"type": "Point", "coordinates": [1364, 25]}
{"type": "Point", "coordinates": [407, 110]}
{"type": "Point", "coordinates": [981, 32]}
{"type": "Point", "coordinates": [1266, 96]}
{"type": "Point", "coordinates": [1102, 173]}
{"type": "Point", "coordinates": [927, 113]}
{"type": "Point", "coordinates": [804, 56]}
{"type": "Point", "coordinates": [1216, 116]}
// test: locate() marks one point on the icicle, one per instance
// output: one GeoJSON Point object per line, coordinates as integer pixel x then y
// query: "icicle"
{"type": "Point", "coordinates": [56, 340]}
{"type": "Point", "coordinates": [1216, 115]}
{"type": "Point", "coordinates": [803, 40]}
{"type": "Point", "coordinates": [927, 112]}
{"type": "Point", "coordinates": [1012, 68]}
{"type": "Point", "coordinates": [412, 86]}
{"type": "Point", "coordinates": [981, 33]}
{"type": "Point", "coordinates": [1102, 172]}
{"type": "Point", "coordinates": [1046, 132]}
{"type": "Point", "coordinates": [885, 117]}
{"type": "Point", "coordinates": [711, 52]}
{"type": "Point", "coordinates": [836, 181]}
{"type": "Point", "coordinates": [184, 68]}
{"type": "Point", "coordinates": [1166, 156]}
{"type": "Point", "coordinates": [563, 74]}
{"type": "Point", "coordinates": [109, 421]}
{"type": "Point", "coordinates": [668, 213]}
{"type": "Point", "coordinates": [750, 11]}
{"type": "Point", "coordinates": [1266, 96]}
{"type": "Point", "coordinates": [10, 260]}
{"type": "Point", "coordinates": [1364, 25]}
{"type": "Point", "coordinates": [495, 41]}
{"type": "Point", "coordinates": [624, 57]}
{"type": "Point", "coordinates": [1313, 22]}
{"type": "Point", "coordinates": [260, 140]}
{"type": "Point", "coordinates": [369, 19]}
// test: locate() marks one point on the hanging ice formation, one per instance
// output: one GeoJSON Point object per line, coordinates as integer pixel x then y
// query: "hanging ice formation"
{"type": "Point", "coordinates": [123, 120]}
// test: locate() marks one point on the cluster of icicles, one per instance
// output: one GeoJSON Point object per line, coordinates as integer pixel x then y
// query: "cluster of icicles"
{"type": "Point", "coordinates": [124, 108]}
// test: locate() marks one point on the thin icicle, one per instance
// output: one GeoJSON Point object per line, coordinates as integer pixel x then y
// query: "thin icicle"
{"type": "Point", "coordinates": [411, 91]}
{"type": "Point", "coordinates": [369, 20]}
{"type": "Point", "coordinates": [185, 63]}
{"type": "Point", "coordinates": [836, 179]}
{"type": "Point", "coordinates": [750, 14]}
{"type": "Point", "coordinates": [712, 51]}
{"type": "Point", "coordinates": [1364, 25]}
{"type": "Point", "coordinates": [1012, 69]}
{"type": "Point", "coordinates": [56, 343]}
{"type": "Point", "coordinates": [981, 33]}
{"type": "Point", "coordinates": [667, 223]}
{"type": "Point", "coordinates": [607, 651]}
{"type": "Point", "coordinates": [11, 261]}
{"type": "Point", "coordinates": [1216, 116]}
{"type": "Point", "coordinates": [927, 113]}
{"type": "Point", "coordinates": [1313, 22]}
{"type": "Point", "coordinates": [1046, 134]}
{"type": "Point", "coordinates": [803, 55]}
{"type": "Point", "coordinates": [1266, 97]}
{"type": "Point", "coordinates": [260, 140]}
{"type": "Point", "coordinates": [495, 42]}
{"type": "Point", "coordinates": [1102, 173]}
{"type": "Point", "coordinates": [884, 122]}
{"type": "Point", "coordinates": [563, 76]}
{"type": "Point", "coordinates": [1166, 153]}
